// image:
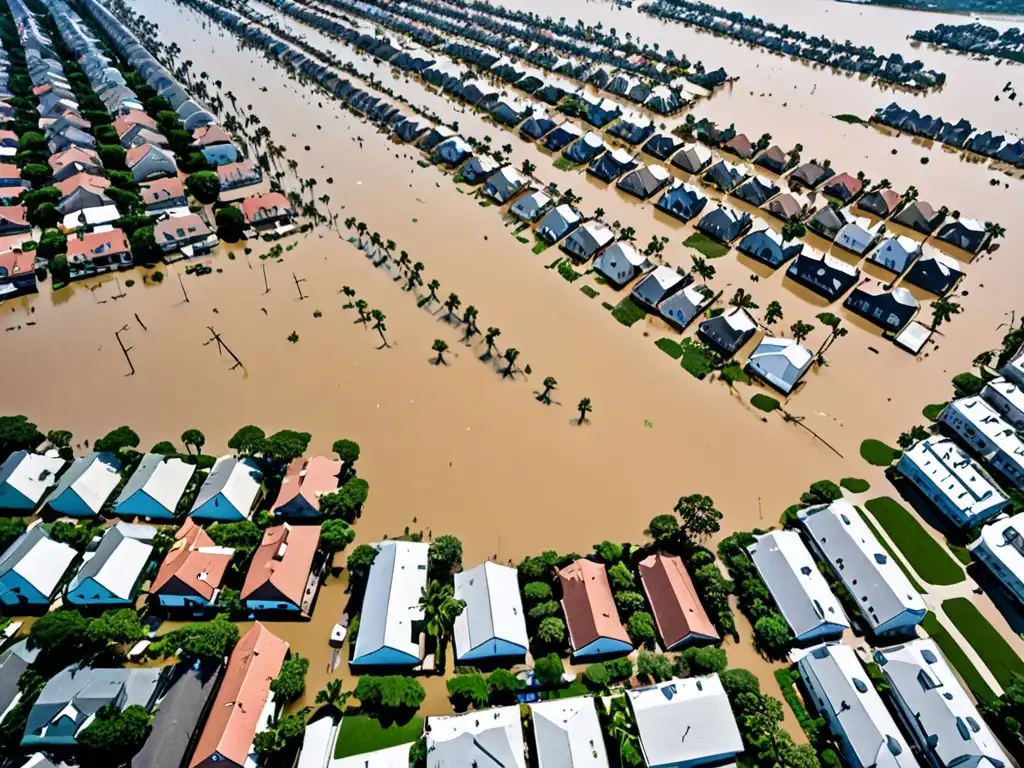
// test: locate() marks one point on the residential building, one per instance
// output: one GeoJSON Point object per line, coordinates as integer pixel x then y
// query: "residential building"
{"type": "Point", "coordinates": [74, 161]}
{"type": "Point", "coordinates": [769, 247]}
{"type": "Point", "coordinates": [503, 185]}
{"type": "Point", "coordinates": [881, 202]}
{"type": "Point", "coordinates": [1013, 369]}
{"type": "Point", "coordinates": [585, 149]}
{"type": "Point", "coordinates": [1002, 395]}
{"type": "Point", "coordinates": [529, 207]}
{"type": "Point", "coordinates": [13, 663]}
{"type": "Point", "coordinates": [17, 266]}
{"type": "Point", "coordinates": [568, 734]}
{"type": "Point", "coordinates": [825, 275]}
{"type": "Point", "coordinates": [281, 577]}
{"type": "Point", "coordinates": [645, 181]}
{"type": "Point", "coordinates": [887, 601]}
{"type": "Point", "coordinates": [112, 570]}
{"type": "Point", "coordinates": [775, 159]}
{"type": "Point", "coordinates": [557, 223]}
{"type": "Point", "coordinates": [147, 161]}
{"type": "Point", "coordinates": [693, 159]}
{"type": "Point", "coordinates": [155, 488]}
{"type": "Point", "coordinates": [161, 195]}
{"type": "Point", "coordinates": [890, 310]}
{"type": "Point", "coordinates": [935, 710]}
{"type": "Point", "coordinates": [966, 234]}
{"type": "Point", "coordinates": [678, 612]}
{"type": "Point", "coordinates": [920, 217]}
{"type": "Point", "coordinates": [789, 206]}
{"type": "Point", "coordinates": [609, 166]}
{"type": "Point", "coordinates": [492, 736]}
{"type": "Point", "coordinates": [26, 477]}
{"type": "Point", "coordinates": [780, 362]}
{"type": "Point", "coordinates": [305, 481]}
{"type": "Point", "coordinates": [859, 235]}
{"type": "Point", "coordinates": [94, 253]}
{"type": "Point", "coordinates": [828, 221]}
{"type": "Point", "coordinates": [724, 224]}
{"type": "Point", "coordinates": [32, 569]}
{"type": "Point", "coordinates": [590, 613]}
{"type": "Point", "coordinates": [12, 220]}
{"type": "Point", "coordinates": [192, 571]}
{"type": "Point", "coordinates": [391, 605]}
{"type": "Point", "coordinates": [935, 272]}
{"type": "Point", "coordinates": [979, 425]}
{"type": "Point", "coordinates": [588, 240]}
{"type": "Point", "coordinates": [183, 233]}
{"type": "Point", "coordinates": [796, 585]}
{"type": "Point", "coordinates": [684, 306]}
{"type": "Point", "coordinates": [229, 491]}
{"type": "Point", "coordinates": [729, 331]}
{"type": "Point", "coordinates": [620, 263]}
{"type": "Point", "coordinates": [840, 691]}
{"type": "Point", "coordinates": [685, 723]}
{"type": "Point", "coordinates": [682, 201]}
{"type": "Point", "coordinates": [562, 136]}
{"type": "Point", "coordinates": [452, 152]}
{"type": "Point", "coordinates": [244, 705]}
{"type": "Point", "coordinates": [240, 174]}
{"type": "Point", "coordinates": [843, 187]}
{"type": "Point", "coordinates": [267, 210]}
{"type": "Point", "coordinates": [216, 145]}
{"type": "Point", "coordinates": [757, 190]}
{"type": "Point", "coordinates": [86, 485]}
{"type": "Point", "coordinates": [493, 624]}
{"type": "Point", "coordinates": [944, 473]}
{"type": "Point", "coordinates": [896, 253]}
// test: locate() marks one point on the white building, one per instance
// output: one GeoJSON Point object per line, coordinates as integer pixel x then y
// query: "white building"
{"type": "Point", "coordinates": [934, 708]}
{"type": "Point", "coordinates": [391, 605]}
{"type": "Point", "coordinates": [841, 692]}
{"type": "Point", "coordinates": [685, 722]}
{"type": "Point", "coordinates": [1001, 547]}
{"type": "Point", "coordinates": [492, 624]}
{"type": "Point", "coordinates": [781, 362]}
{"type": "Point", "coordinates": [26, 477]}
{"type": "Point", "coordinates": [568, 734]}
{"type": "Point", "coordinates": [953, 481]}
{"type": "Point", "coordinates": [883, 592]}
{"type": "Point", "coordinates": [797, 586]}
{"type": "Point", "coordinates": [974, 420]}
{"type": "Point", "coordinates": [155, 488]}
{"type": "Point", "coordinates": [1006, 398]}
{"type": "Point", "coordinates": [1013, 369]}
{"type": "Point", "coordinates": [111, 573]}
{"type": "Point", "coordinates": [487, 737]}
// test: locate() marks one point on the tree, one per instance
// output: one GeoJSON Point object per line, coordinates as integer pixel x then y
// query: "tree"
{"type": "Point", "coordinates": [432, 286]}
{"type": "Point", "coordinates": [621, 577]}
{"type": "Point", "coordinates": [702, 269]}
{"type": "Point", "coordinates": [440, 609]}
{"type": "Point", "coordinates": [12, 527]}
{"type": "Point", "coordinates": [359, 562]}
{"type": "Point", "coordinates": [536, 591]}
{"type": "Point", "coordinates": [942, 311]}
{"type": "Point", "coordinates": [503, 686]}
{"type": "Point", "coordinates": [653, 666]}
{"type": "Point", "coordinates": [773, 635]}
{"type": "Point", "coordinates": [465, 691]}
{"type": "Point", "coordinates": [332, 695]}
{"type": "Point", "coordinates": [528, 168]}
{"type": "Point", "coordinates": [511, 355]}
{"type": "Point", "coordinates": [440, 346]}
{"type": "Point", "coordinates": [60, 634]}
{"type": "Point", "coordinates": [347, 502]}
{"type": "Point", "coordinates": [116, 736]}
{"type": "Point", "coordinates": [348, 454]}
{"type": "Point", "coordinates": [550, 383]}
{"type": "Point", "coordinates": [389, 697]}
{"type": "Point", "coordinates": [608, 552]}
{"type": "Point", "coordinates": [75, 535]}
{"type": "Point", "coordinates": [640, 627]}
{"type": "Point", "coordinates": [551, 632]}
{"type": "Point", "coordinates": [193, 438]}
{"type": "Point", "coordinates": [737, 681]}
{"type": "Point", "coordinates": [144, 248]}
{"type": "Point", "coordinates": [248, 441]}
{"type": "Point", "coordinates": [629, 602]}
{"type": "Point", "coordinates": [291, 679]}
{"type": "Point", "coordinates": [59, 269]}
{"type": "Point", "coordinates": [490, 336]}
{"type": "Point", "coordinates": [541, 611]}
{"type": "Point", "coordinates": [598, 213]}
{"type": "Point", "coordinates": [584, 407]}
{"type": "Point", "coordinates": [836, 331]}
{"type": "Point", "coordinates": [380, 326]}
{"type": "Point", "coordinates": [204, 186]}
{"type": "Point", "coordinates": [285, 445]}
{"type": "Point", "coordinates": [663, 529]}
{"type": "Point", "coordinates": [452, 303]}
{"type": "Point", "coordinates": [549, 670]}
{"type": "Point", "coordinates": [469, 316]}
{"type": "Point", "coordinates": [212, 639]}
{"type": "Point", "coordinates": [282, 735]}
{"type": "Point", "coordinates": [445, 555]}
{"type": "Point", "coordinates": [800, 330]}
{"type": "Point", "coordinates": [117, 440]}
{"type": "Point", "coordinates": [706, 660]}
{"type": "Point", "coordinates": [914, 435]}
{"type": "Point", "coordinates": [116, 627]}
{"type": "Point", "coordinates": [17, 433]}
{"type": "Point", "coordinates": [699, 517]}
{"type": "Point", "coordinates": [51, 244]}
{"type": "Point", "coordinates": [335, 535]}
{"type": "Point", "coordinates": [230, 224]}
{"type": "Point", "coordinates": [742, 300]}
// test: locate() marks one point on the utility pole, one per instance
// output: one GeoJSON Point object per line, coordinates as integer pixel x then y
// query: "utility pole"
{"type": "Point", "coordinates": [222, 346]}
{"type": "Point", "coordinates": [139, 321]}
{"type": "Point", "coordinates": [266, 285]}
{"type": "Point", "coordinates": [125, 350]}
{"type": "Point", "coordinates": [182, 284]}
{"type": "Point", "coordinates": [298, 285]}
{"type": "Point", "coordinates": [120, 292]}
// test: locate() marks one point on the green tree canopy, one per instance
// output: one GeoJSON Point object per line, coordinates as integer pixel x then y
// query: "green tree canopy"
{"type": "Point", "coordinates": [504, 686]}
{"type": "Point", "coordinates": [359, 562]}
{"type": "Point", "coordinates": [10, 529]}
{"type": "Point", "coordinates": [116, 736]}
{"type": "Point", "coordinates": [347, 450]}
{"type": "Point", "coordinates": [549, 670]}
{"type": "Point", "coordinates": [193, 438]}
{"type": "Point", "coordinates": [663, 529]}
{"type": "Point", "coordinates": [230, 224]}
{"type": "Point", "coordinates": [116, 440]}
{"type": "Point", "coordinates": [285, 445]}
{"type": "Point", "coordinates": [640, 627]}
{"type": "Point", "coordinates": [445, 554]}
{"type": "Point", "coordinates": [551, 631]}
{"type": "Point", "coordinates": [608, 552]}
{"type": "Point", "coordinates": [291, 679]}
{"type": "Point", "coordinates": [391, 697]}
{"type": "Point", "coordinates": [335, 535]}
{"type": "Point", "coordinates": [204, 186]}
{"type": "Point", "coordinates": [699, 517]}
{"type": "Point", "coordinates": [17, 433]}
{"type": "Point", "coordinates": [621, 577]}
{"type": "Point", "coordinates": [465, 691]}
{"type": "Point", "coordinates": [537, 591]}
{"type": "Point", "coordinates": [212, 639]}
{"type": "Point", "coordinates": [117, 627]}
{"type": "Point", "coordinates": [61, 634]}
{"type": "Point", "coordinates": [248, 441]}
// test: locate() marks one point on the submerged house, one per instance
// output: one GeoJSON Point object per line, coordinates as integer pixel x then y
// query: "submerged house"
{"type": "Point", "coordinates": [538, 125]}
{"type": "Point", "coordinates": [561, 137]}
{"type": "Point", "coordinates": [32, 568]}
{"type": "Point", "coordinates": [825, 275]}
{"type": "Point", "coordinates": [504, 185]}
{"type": "Point", "coordinates": [828, 221]}
{"type": "Point", "coordinates": [966, 234]}
{"type": "Point", "coordinates": [279, 577]}
{"type": "Point", "coordinates": [682, 201]}
{"type": "Point", "coordinates": [304, 482]}
{"type": "Point", "coordinates": [658, 286]}
{"type": "Point", "coordinates": [155, 488]}
{"type": "Point", "coordinates": [25, 478]}
{"type": "Point", "coordinates": [111, 574]}
{"type": "Point", "coordinates": [684, 306]}
{"type": "Point", "coordinates": [557, 223]}
{"type": "Point", "coordinates": [677, 609]}
{"type": "Point", "coordinates": [645, 181]}
{"type": "Point", "coordinates": [810, 175]}
{"type": "Point", "coordinates": [768, 246]}
{"type": "Point", "coordinates": [882, 202]}
{"type": "Point", "coordinates": [693, 159]}
{"type": "Point", "coordinates": [149, 162]}
{"type": "Point", "coordinates": [590, 613]}
{"type": "Point", "coordinates": [478, 169]}
{"type": "Point", "coordinates": [86, 485]}
{"type": "Point", "coordinates": [896, 253]}
{"type": "Point", "coordinates": [728, 332]}
{"type": "Point", "coordinates": [724, 224]}
{"type": "Point", "coordinates": [588, 240]}
{"type": "Point", "coordinates": [789, 206]}
{"type": "Point", "coordinates": [611, 165]}
{"type": "Point", "coordinates": [585, 149]}
{"type": "Point", "coordinates": [843, 187]}
{"type": "Point", "coordinates": [229, 491]}
{"type": "Point", "coordinates": [493, 624]}
{"type": "Point", "coordinates": [780, 362]}
{"type": "Point", "coordinates": [662, 146]}
{"type": "Point", "coordinates": [773, 159]}
{"type": "Point", "coordinates": [632, 128]}
{"type": "Point", "coordinates": [452, 152]}
{"type": "Point", "coordinates": [757, 191]}
{"type": "Point", "coordinates": [529, 207]}
{"type": "Point", "coordinates": [620, 263]}
{"type": "Point", "coordinates": [920, 217]}
{"type": "Point", "coordinates": [725, 175]}
{"type": "Point", "coordinates": [859, 235]}
{"type": "Point", "coordinates": [192, 571]}
{"type": "Point", "coordinates": [935, 272]}
{"type": "Point", "coordinates": [740, 146]}
{"type": "Point", "coordinates": [889, 310]}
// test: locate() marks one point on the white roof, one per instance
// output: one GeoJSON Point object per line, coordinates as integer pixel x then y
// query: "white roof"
{"type": "Point", "coordinates": [593, 139]}
{"type": "Point", "coordinates": [852, 702]}
{"type": "Point", "coordinates": [567, 213]}
{"type": "Point", "coordinates": [880, 587]}
{"type": "Point", "coordinates": [31, 474]}
{"type": "Point", "coordinates": [601, 233]}
{"type": "Point", "coordinates": [635, 118]}
{"type": "Point", "coordinates": [796, 584]}
{"type": "Point", "coordinates": [740, 320]}
{"type": "Point", "coordinates": [38, 559]}
{"type": "Point", "coordinates": [92, 478]}
{"type": "Point", "coordinates": [904, 297]}
{"type": "Point", "coordinates": [685, 721]}
{"type": "Point", "coordinates": [956, 477]}
{"type": "Point", "coordinates": [391, 604]}
{"type": "Point", "coordinates": [666, 277]}
{"type": "Point", "coordinates": [570, 128]}
{"type": "Point", "coordinates": [698, 151]}
{"type": "Point", "coordinates": [627, 252]}
{"type": "Point", "coordinates": [1005, 391]}
{"type": "Point", "coordinates": [914, 336]}
{"type": "Point", "coordinates": [162, 478]}
{"type": "Point", "coordinates": [317, 743]}
{"type": "Point", "coordinates": [788, 349]}
{"type": "Point", "coordinates": [389, 757]}
{"type": "Point", "coordinates": [946, 263]}
{"type": "Point", "coordinates": [659, 172]}
{"type": "Point", "coordinates": [489, 737]}
{"type": "Point", "coordinates": [972, 224]}
{"type": "Point", "coordinates": [494, 608]}
{"type": "Point", "coordinates": [568, 734]}
{"type": "Point", "coordinates": [529, 204]}
{"type": "Point", "coordinates": [990, 424]}
{"type": "Point", "coordinates": [122, 554]}
{"type": "Point", "coordinates": [1004, 540]}
{"type": "Point", "coordinates": [922, 679]}
{"type": "Point", "coordinates": [101, 214]}
{"type": "Point", "coordinates": [237, 479]}
{"type": "Point", "coordinates": [621, 156]}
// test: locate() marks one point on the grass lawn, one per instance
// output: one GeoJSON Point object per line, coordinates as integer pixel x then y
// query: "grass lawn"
{"type": "Point", "coordinates": [885, 545]}
{"type": "Point", "coordinates": [855, 484]}
{"type": "Point", "coordinates": [576, 688]}
{"type": "Point", "coordinates": [765, 402]}
{"type": "Point", "coordinates": [877, 453]}
{"type": "Point", "coordinates": [847, 118]}
{"type": "Point", "coordinates": [1001, 660]}
{"type": "Point", "coordinates": [540, 247]}
{"type": "Point", "coordinates": [695, 360]}
{"type": "Point", "coordinates": [670, 347]}
{"type": "Point", "coordinates": [361, 733]}
{"type": "Point", "coordinates": [607, 305]}
{"type": "Point", "coordinates": [924, 553]}
{"type": "Point", "coordinates": [735, 372]}
{"type": "Point", "coordinates": [590, 292]}
{"type": "Point", "coordinates": [712, 249]}
{"type": "Point", "coordinates": [565, 270]}
{"type": "Point", "coordinates": [954, 653]}
{"type": "Point", "coordinates": [562, 164]}
{"type": "Point", "coordinates": [960, 552]}
{"type": "Point", "coordinates": [628, 311]}
{"type": "Point", "coordinates": [931, 412]}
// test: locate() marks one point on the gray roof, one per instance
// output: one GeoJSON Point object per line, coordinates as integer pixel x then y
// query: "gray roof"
{"type": "Point", "coordinates": [494, 608]}
{"type": "Point", "coordinates": [13, 663]}
{"type": "Point", "coordinates": [93, 478]}
{"type": "Point", "coordinates": [162, 478]}
{"type": "Point", "coordinates": [120, 558]}
{"type": "Point", "coordinates": [568, 734]}
{"type": "Point", "coordinates": [38, 559]}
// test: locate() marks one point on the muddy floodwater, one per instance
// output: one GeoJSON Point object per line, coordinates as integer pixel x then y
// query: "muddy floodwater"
{"type": "Point", "coordinates": [457, 448]}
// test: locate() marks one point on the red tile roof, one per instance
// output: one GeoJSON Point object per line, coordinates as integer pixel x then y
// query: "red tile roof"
{"type": "Point", "coordinates": [74, 155]}
{"type": "Point", "coordinates": [162, 189]}
{"type": "Point", "coordinates": [15, 262]}
{"type": "Point", "coordinates": [588, 604]}
{"type": "Point", "coordinates": [283, 560]}
{"type": "Point", "coordinates": [268, 206]}
{"type": "Point", "coordinates": [194, 560]}
{"type": "Point", "coordinates": [15, 214]}
{"type": "Point", "coordinates": [8, 136]}
{"type": "Point", "coordinates": [235, 172]}
{"type": "Point", "coordinates": [190, 226]}
{"type": "Point", "coordinates": [310, 478]}
{"type": "Point", "coordinates": [208, 135]}
{"type": "Point", "coordinates": [9, 171]}
{"type": "Point", "coordinates": [98, 244]}
{"type": "Point", "coordinates": [243, 694]}
{"type": "Point", "coordinates": [135, 117]}
{"type": "Point", "coordinates": [72, 183]}
{"type": "Point", "coordinates": [677, 609]}
{"type": "Point", "coordinates": [847, 182]}
{"type": "Point", "coordinates": [135, 154]}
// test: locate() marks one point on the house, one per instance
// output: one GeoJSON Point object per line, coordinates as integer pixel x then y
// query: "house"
{"type": "Point", "coordinates": [725, 175]}
{"type": "Point", "coordinates": [944, 473]}
{"type": "Point", "coordinates": [561, 137]}
{"type": "Point", "coordinates": [682, 201]}
{"type": "Point", "coordinates": [728, 332]}
{"type": "Point", "coordinates": [67, 138]}
{"type": "Point", "coordinates": [94, 253]}
{"type": "Point", "coordinates": [279, 576]}
{"type": "Point", "coordinates": [493, 623]}
{"type": "Point", "coordinates": [810, 175]}
{"type": "Point", "coordinates": [661, 146]}
{"type": "Point", "coordinates": [17, 266]}
{"type": "Point", "coordinates": [658, 286]}
{"type": "Point", "coordinates": [620, 263]}
{"type": "Point", "coordinates": [181, 233]}
{"type": "Point", "coordinates": [585, 149]}
{"type": "Point", "coordinates": [724, 224]}
{"type": "Point", "coordinates": [842, 693]}
{"type": "Point", "coordinates": [684, 723]}
{"type": "Point", "coordinates": [155, 488]}
{"type": "Point", "coordinates": [645, 181]}
{"type": "Point", "coordinates": [934, 709]}
{"type": "Point", "coordinates": [590, 613]}
{"type": "Point", "coordinates": [84, 197]}
{"type": "Point", "coordinates": [859, 235]}
{"type": "Point", "coordinates": [1013, 369]}
{"type": "Point", "coordinates": [240, 174]}
{"type": "Point", "coordinates": [979, 425]}
{"type": "Point", "coordinates": [797, 587]}
{"type": "Point", "coordinates": [680, 617]}
{"type": "Point", "coordinates": [682, 307]}
{"type": "Point", "coordinates": [693, 159]}
{"type": "Point", "coordinates": [163, 194]}
{"type": "Point", "coordinates": [825, 275]}
{"type": "Point", "coordinates": [149, 162]}
{"type": "Point", "coordinates": [568, 734]}
{"type": "Point", "coordinates": [757, 190]}
{"type": "Point", "coordinates": [229, 491]}
{"type": "Point", "coordinates": [244, 704]}
{"type": "Point", "coordinates": [632, 128]}
{"type": "Point", "coordinates": [1002, 395]}
{"type": "Point", "coordinates": [73, 161]}
{"type": "Point", "coordinates": [193, 570]}
{"type": "Point", "coordinates": [410, 130]}
{"type": "Point", "coordinates": [478, 169]}
{"type": "Point", "coordinates": [304, 482]}
{"type": "Point", "coordinates": [86, 485]}
{"type": "Point", "coordinates": [434, 137]}
{"type": "Point", "coordinates": [32, 569]}
{"type": "Point", "coordinates": [537, 126]}
{"type": "Point", "coordinates": [966, 234]}
{"type": "Point", "coordinates": [888, 602]}
{"type": "Point", "coordinates": [391, 606]}
{"type": "Point", "coordinates": [896, 253]}
{"type": "Point", "coordinates": [70, 700]}
{"type": "Point", "coordinates": [780, 362]}
{"type": "Point", "coordinates": [828, 221]}
{"type": "Point", "coordinates": [768, 246]}
{"type": "Point", "coordinates": [557, 223]}
{"type": "Point", "coordinates": [26, 477]}
{"type": "Point", "coordinates": [271, 209]}
{"type": "Point", "coordinates": [773, 159]}
{"type": "Point", "coordinates": [920, 217]}
{"type": "Point", "coordinates": [504, 185]}
{"type": "Point", "coordinates": [882, 202]}
{"type": "Point", "coordinates": [12, 220]}
{"type": "Point", "coordinates": [485, 736]}
{"type": "Point", "coordinates": [597, 111]}
{"type": "Point", "coordinates": [215, 144]}
{"type": "Point", "coordinates": [740, 146]}
{"type": "Point", "coordinates": [112, 570]}
{"type": "Point", "coordinates": [935, 272]}
{"type": "Point", "coordinates": [843, 188]}
{"type": "Point", "coordinates": [1001, 548]}
{"type": "Point", "coordinates": [81, 180]}
{"type": "Point", "coordinates": [889, 310]}
{"type": "Point", "coordinates": [510, 111]}
{"type": "Point", "coordinates": [529, 207]}
{"type": "Point", "coordinates": [611, 165]}
{"type": "Point", "coordinates": [13, 664]}
{"type": "Point", "coordinates": [588, 240]}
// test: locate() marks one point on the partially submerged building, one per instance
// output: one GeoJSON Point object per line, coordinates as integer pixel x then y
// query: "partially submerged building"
{"type": "Point", "coordinates": [155, 488]}
{"type": "Point", "coordinates": [281, 577]}
{"type": "Point", "coordinates": [26, 477]}
{"type": "Point", "coordinates": [112, 572]}
{"type": "Point", "coordinates": [493, 623]}
{"type": "Point", "coordinates": [780, 362]}
{"type": "Point", "coordinates": [192, 571]}
{"type": "Point", "coordinates": [86, 485]}
{"type": "Point", "coordinates": [32, 568]}
{"type": "Point", "coordinates": [678, 612]}
{"type": "Point", "coordinates": [568, 734]}
{"type": "Point", "coordinates": [590, 613]}
{"type": "Point", "coordinates": [229, 491]}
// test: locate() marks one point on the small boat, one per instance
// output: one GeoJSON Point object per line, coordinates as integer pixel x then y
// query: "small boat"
{"type": "Point", "coordinates": [339, 631]}
{"type": "Point", "coordinates": [138, 650]}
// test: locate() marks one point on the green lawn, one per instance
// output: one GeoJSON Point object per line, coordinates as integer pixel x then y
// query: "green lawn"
{"type": "Point", "coordinates": [1001, 660]}
{"type": "Point", "coordinates": [765, 403]}
{"type": "Point", "coordinates": [847, 118]}
{"type": "Point", "coordinates": [695, 360]}
{"type": "Point", "coordinates": [628, 311]}
{"type": "Point", "coordinates": [711, 249]}
{"type": "Point", "coordinates": [670, 347]}
{"type": "Point", "coordinates": [566, 271]}
{"type": "Point", "coordinates": [540, 247]}
{"type": "Point", "coordinates": [924, 553]}
{"type": "Point", "coordinates": [877, 453]}
{"type": "Point", "coordinates": [855, 484]}
{"type": "Point", "coordinates": [885, 545]}
{"type": "Point", "coordinates": [960, 552]}
{"type": "Point", "coordinates": [931, 412]}
{"type": "Point", "coordinates": [564, 164]}
{"type": "Point", "coordinates": [590, 292]}
{"type": "Point", "coordinates": [361, 733]}
{"type": "Point", "coordinates": [955, 655]}
{"type": "Point", "coordinates": [576, 688]}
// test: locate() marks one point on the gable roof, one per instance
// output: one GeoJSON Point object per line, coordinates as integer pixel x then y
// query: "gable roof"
{"type": "Point", "coordinates": [195, 560]}
{"type": "Point", "coordinates": [266, 206]}
{"type": "Point", "coordinates": [568, 734]}
{"type": "Point", "coordinates": [175, 229]}
{"type": "Point", "coordinates": [14, 214]}
{"type": "Point", "coordinates": [135, 155]}
{"type": "Point", "coordinates": [238, 480]}
{"type": "Point", "coordinates": [490, 736]}
{"type": "Point", "coordinates": [117, 562]}
{"type": "Point", "coordinates": [88, 180]}
{"type": "Point", "coordinates": [159, 190]}
{"type": "Point", "coordinates": [955, 475]}
{"type": "Point", "coordinates": [38, 559]}
{"type": "Point", "coordinates": [283, 561]}
{"type": "Point", "coordinates": [309, 478]}
{"type": "Point", "coordinates": [391, 603]}
{"type": "Point", "coordinates": [588, 604]}
{"type": "Point", "coordinates": [234, 172]}
{"type": "Point", "coordinates": [162, 478]}
{"type": "Point", "coordinates": [677, 608]}
{"type": "Point", "coordinates": [92, 478]}
{"type": "Point", "coordinates": [92, 244]}
{"type": "Point", "coordinates": [494, 607]}
{"type": "Point", "coordinates": [82, 155]}
{"type": "Point", "coordinates": [781, 361]}
{"type": "Point", "coordinates": [210, 135]}
{"type": "Point", "coordinates": [31, 474]}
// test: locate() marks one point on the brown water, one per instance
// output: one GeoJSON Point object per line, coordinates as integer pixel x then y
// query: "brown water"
{"type": "Point", "coordinates": [457, 449]}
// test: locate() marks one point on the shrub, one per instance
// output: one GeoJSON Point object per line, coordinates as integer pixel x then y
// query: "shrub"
{"type": "Point", "coordinates": [291, 679]}
{"type": "Point", "coordinates": [653, 666]}
{"type": "Point", "coordinates": [596, 677]}
{"type": "Point", "coordinates": [204, 186]}
{"type": "Point", "coordinates": [641, 629]}
{"type": "Point", "coordinates": [543, 610]}
{"type": "Point", "coordinates": [465, 691]}
{"type": "Point", "coordinates": [619, 669]}
{"type": "Point", "coordinates": [551, 631]}
{"type": "Point", "coordinates": [705, 660]}
{"type": "Point", "coordinates": [503, 686]}
{"type": "Point", "coordinates": [629, 602]}
{"type": "Point", "coordinates": [773, 636]}
{"type": "Point", "coordinates": [620, 577]}
{"type": "Point", "coordinates": [738, 681]}
{"type": "Point", "coordinates": [537, 590]}
{"type": "Point", "coordinates": [549, 670]}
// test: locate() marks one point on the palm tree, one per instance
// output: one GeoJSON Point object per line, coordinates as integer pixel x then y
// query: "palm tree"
{"type": "Point", "coordinates": [492, 334]}
{"type": "Point", "coordinates": [414, 276]}
{"type": "Point", "coordinates": [836, 331]}
{"type": "Point", "coordinates": [362, 307]}
{"type": "Point", "coordinates": [528, 168]}
{"type": "Point", "coordinates": [800, 330]}
{"type": "Point", "coordinates": [598, 213]}
{"type": "Point", "coordinates": [350, 293]}
{"type": "Point", "coordinates": [628, 234]}
{"type": "Point", "coordinates": [469, 317]}
{"type": "Point", "coordinates": [193, 437]}
{"type": "Point", "coordinates": [333, 696]}
{"type": "Point", "coordinates": [742, 300]}
{"type": "Point", "coordinates": [994, 230]}
{"type": "Point", "coordinates": [511, 354]}
{"type": "Point", "coordinates": [702, 268]}
{"type": "Point", "coordinates": [440, 609]}
{"type": "Point", "coordinates": [440, 346]}
{"type": "Point", "coordinates": [452, 303]}
{"type": "Point", "coordinates": [910, 195]}
{"type": "Point", "coordinates": [389, 246]}
{"type": "Point", "coordinates": [773, 314]}
{"type": "Point", "coordinates": [550, 383]}
{"type": "Point", "coordinates": [942, 311]}
{"type": "Point", "coordinates": [432, 286]}
{"type": "Point", "coordinates": [379, 326]}
{"type": "Point", "coordinates": [404, 262]}
{"type": "Point", "coordinates": [361, 228]}
{"type": "Point", "coordinates": [623, 730]}
{"type": "Point", "coordinates": [584, 408]}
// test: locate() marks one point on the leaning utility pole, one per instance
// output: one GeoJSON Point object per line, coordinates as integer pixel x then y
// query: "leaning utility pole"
{"type": "Point", "coordinates": [222, 346]}
{"type": "Point", "coordinates": [266, 285]}
{"type": "Point", "coordinates": [298, 285]}
{"type": "Point", "coordinates": [120, 292]}
{"type": "Point", "coordinates": [125, 350]}
{"type": "Point", "coordinates": [182, 284]}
